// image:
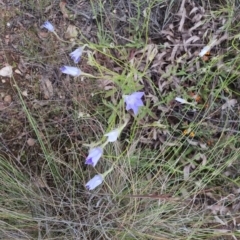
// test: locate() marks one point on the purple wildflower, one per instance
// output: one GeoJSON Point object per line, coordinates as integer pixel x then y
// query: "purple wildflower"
{"type": "Point", "coordinates": [113, 135]}
{"type": "Point", "coordinates": [94, 156]}
{"type": "Point", "coordinates": [76, 54]}
{"type": "Point", "coordinates": [133, 101]}
{"type": "Point", "coordinates": [73, 71]}
{"type": "Point", "coordinates": [48, 26]}
{"type": "Point", "coordinates": [94, 182]}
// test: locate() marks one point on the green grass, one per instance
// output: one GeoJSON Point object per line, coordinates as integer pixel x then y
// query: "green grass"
{"type": "Point", "coordinates": [164, 184]}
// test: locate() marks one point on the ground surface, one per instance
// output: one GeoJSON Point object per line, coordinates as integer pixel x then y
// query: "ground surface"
{"type": "Point", "coordinates": [175, 166]}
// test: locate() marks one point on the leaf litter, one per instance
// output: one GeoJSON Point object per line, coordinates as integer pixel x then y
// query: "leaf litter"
{"type": "Point", "coordinates": [169, 68]}
{"type": "Point", "coordinates": [46, 87]}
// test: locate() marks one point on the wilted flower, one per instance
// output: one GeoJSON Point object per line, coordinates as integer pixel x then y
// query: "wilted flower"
{"type": "Point", "coordinates": [94, 156]}
{"type": "Point", "coordinates": [133, 101]}
{"type": "Point", "coordinates": [204, 51]}
{"type": "Point", "coordinates": [48, 26]}
{"type": "Point", "coordinates": [94, 182]}
{"type": "Point", "coordinates": [76, 54]}
{"type": "Point", "coordinates": [113, 135]}
{"type": "Point", "coordinates": [181, 100]}
{"type": "Point", "coordinates": [73, 71]}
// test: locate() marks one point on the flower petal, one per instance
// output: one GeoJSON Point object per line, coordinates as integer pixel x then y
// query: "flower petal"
{"type": "Point", "coordinates": [76, 54]}
{"type": "Point", "coordinates": [113, 135]}
{"type": "Point", "coordinates": [204, 51]}
{"type": "Point", "coordinates": [133, 101]}
{"type": "Point", "coordinates": [135, 109]}
{"type": "Point", "coordinates": [73, 71]}
{"type": "Point", "coordinates": [48, 26]}
{"type": "Point", "coordinates": [94, 182]}
{"type": "Point", "coordinates": [94, 156]}
{"type": "Point", "coordinates": [138, 94]}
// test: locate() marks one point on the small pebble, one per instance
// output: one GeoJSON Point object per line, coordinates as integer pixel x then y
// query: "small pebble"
{"type": "Point", "coordinates": [7, 99]}
{"type": "Point", "coordinates": [30, 142]}
{"type": "Point", "coordinates": [25, 93]}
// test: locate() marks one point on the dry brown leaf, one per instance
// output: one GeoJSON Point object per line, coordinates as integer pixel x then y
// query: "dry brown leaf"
{"type": "Point", "coordinates": [40, 182]}
{"type": "Point", "coordinates": [46, 87]}
{"type": "Point", "coordinates": [198, 24]}
{"type": "Point", "coordinates": [71, 32]}
{"type": "Point", "coordinates": [22, 65]}
{"type": "Point", "coordinates": [145, 140]}
{"type": "Point", "coordinates": [204, 159]}
{"type": "Point", "coordinates": [193, 10]}
{"type": "Point", "coordinates": [218, 208]}
{"type": "Point", "coordinates": [105, 84]}
{"type": "Point", "coordinates": [43, 34]}
{"type": "Point", "coordinates": [192, 39]}
{"type": "Point", "coordinates": [63, 9]}
{"type": "Point", "coordinates": [197, 17]}
{"type": "Point", "coordinates": [167, 32]}
{"type": "Point", "coordinates": [38, 104]}
{"type": "Point", "coordinates": [171, 39]}
{"type": "Point", "coordinates": [183, 14]}
{"type": "Point", "coordinates": [229, 104]}
{"type": "Point", "coordinates": [173, 54]}
{"type": "Point", "coordinates": [47, 9]}
{"type": "Point", "coordinates": [151, 52]}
